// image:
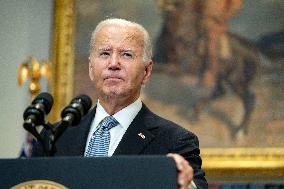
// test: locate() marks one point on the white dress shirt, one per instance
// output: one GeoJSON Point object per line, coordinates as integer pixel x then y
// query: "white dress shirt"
{"type": "Point", "coordinates": [124, 118]}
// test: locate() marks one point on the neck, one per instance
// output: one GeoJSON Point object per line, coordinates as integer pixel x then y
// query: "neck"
{"type": "Point", "coordinates": [114, 105]}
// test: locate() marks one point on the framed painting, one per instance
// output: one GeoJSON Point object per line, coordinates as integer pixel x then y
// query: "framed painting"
{"type": "Point", "coordinates": [218, 72]}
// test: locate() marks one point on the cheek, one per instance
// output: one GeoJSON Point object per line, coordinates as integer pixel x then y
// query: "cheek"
{"type": "Point", "coordinates": [95, 72]}
{"type": "Point", "coordinates": [138, 76]}
{"type": "Point", "coordinates": [97, 77]}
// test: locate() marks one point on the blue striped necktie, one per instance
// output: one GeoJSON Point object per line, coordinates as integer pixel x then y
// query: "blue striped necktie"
{"type": "Point", "coordinates": [99, 143]}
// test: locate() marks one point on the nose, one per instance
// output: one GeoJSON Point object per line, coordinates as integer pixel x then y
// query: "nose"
{"type": "Point", "coordinates": [114, 62]}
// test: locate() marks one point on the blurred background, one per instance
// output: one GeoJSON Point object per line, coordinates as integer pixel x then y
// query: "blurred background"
{"type": "Point", "coordinates": [222, 58]}
{"type": "Point", "coordinates": [25, 30]}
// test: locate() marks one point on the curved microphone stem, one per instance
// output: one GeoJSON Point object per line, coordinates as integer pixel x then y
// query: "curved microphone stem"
{"type": "Point", "coordinates": [65, 123]}
{"type": "Point", "coordinates": [47, 126]}
{"type": "Point", "coordinates": [49, 144]}
{"type": "Point", "coordinates": [30, 127]}
{"type": "Point", "coordinates": [55, 133]}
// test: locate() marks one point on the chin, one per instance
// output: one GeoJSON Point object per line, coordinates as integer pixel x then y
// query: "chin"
{"type": "Point", "coordinates": [112, 93]}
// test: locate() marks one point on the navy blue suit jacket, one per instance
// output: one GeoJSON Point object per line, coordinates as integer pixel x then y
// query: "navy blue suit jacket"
{"type": "Point", "coordinates": [161, 137]}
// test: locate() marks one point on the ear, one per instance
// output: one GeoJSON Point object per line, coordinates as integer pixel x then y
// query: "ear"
{"type": "Point", "coordinates": [147, 72]}
{"type": "Point", "coordinates": [91, 71]}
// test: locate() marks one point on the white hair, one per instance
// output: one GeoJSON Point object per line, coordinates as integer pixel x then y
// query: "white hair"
{"type": "Point", "coordinates": [147, 48]}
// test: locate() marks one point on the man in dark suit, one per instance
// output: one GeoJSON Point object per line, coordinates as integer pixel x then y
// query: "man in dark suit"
{"type": "Point", "coordinates": [120, 64]}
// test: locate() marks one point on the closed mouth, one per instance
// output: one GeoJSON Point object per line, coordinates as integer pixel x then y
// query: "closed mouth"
{"type": "Point", "coordinates": [113, 78]}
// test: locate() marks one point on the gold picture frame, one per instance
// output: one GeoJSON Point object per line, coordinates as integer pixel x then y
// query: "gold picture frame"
{"type": "Point", "coordinates": [220, 164]}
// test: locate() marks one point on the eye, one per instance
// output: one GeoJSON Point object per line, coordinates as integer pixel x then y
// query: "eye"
{"type": "Point", "coordinates": [127, 55]}
{"type": "Point", "coordinates": [104, 54]}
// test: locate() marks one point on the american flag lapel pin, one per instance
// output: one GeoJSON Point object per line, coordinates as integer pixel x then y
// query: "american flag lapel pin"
{"type": "Point", "coordinates": [142, 135]}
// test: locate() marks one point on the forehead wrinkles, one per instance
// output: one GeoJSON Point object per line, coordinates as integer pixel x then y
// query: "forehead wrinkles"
{"type": "Point", "coordinates": [119, 37]}
{"type": "Point", "coordinates": [136, 38]}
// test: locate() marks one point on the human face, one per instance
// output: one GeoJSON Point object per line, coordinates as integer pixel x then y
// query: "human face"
{"type": "Point", "coordinates": [116, 63]}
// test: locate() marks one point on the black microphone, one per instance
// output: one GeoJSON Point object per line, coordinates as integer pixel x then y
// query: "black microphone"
{"type": "Point", "coordinates": [73, 113]}
{"type": "Point", "coordinates": [77, 108]}
{"type": "Point", "coordinates": [35, 114]}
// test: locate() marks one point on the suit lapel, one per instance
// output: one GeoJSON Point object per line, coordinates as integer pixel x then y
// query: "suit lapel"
{"type": "Point", "coordinates": [79, 134]}
{"type": "Point", "coordinates": [137, 136]}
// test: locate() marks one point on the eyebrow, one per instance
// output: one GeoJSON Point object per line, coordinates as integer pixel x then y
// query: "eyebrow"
{"type": "Point", "coordinates": [127, 50]}
{"type": "Point", "coordinates": [104, 49]}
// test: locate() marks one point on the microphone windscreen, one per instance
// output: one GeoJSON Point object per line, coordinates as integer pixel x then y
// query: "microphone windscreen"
{"type": "Point", "coordinates": [46, 99]}
{"type": "Point", "coordinates": [86, 102]}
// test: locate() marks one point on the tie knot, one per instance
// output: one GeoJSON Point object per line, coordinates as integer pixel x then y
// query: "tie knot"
{"type": "Point", "coordinates": [108, 123]}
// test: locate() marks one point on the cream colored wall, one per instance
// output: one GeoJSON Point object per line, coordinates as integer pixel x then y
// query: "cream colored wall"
{"type": "Point", "coordinates": [25, 30]}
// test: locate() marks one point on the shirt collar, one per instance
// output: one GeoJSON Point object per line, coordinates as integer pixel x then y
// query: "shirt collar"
{"type": "Point", "coordinates": [124, 116]}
